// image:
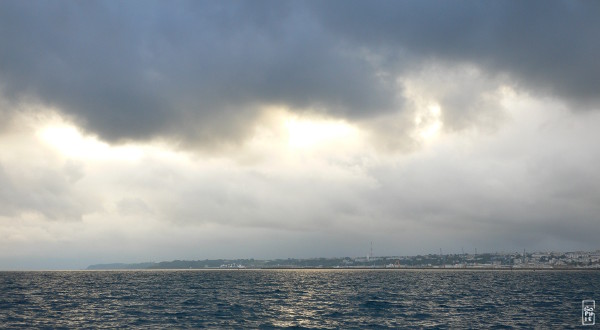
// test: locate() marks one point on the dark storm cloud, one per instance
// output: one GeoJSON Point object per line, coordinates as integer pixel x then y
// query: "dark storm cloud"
{"type": "Point", "coordinates": [548, 46]}
{"type": "Point", "coordinates": [198, 71]}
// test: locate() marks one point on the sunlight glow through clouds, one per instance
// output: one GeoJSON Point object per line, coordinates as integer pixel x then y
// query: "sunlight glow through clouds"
{"type": "Point", "coordinates": [70, 142]}
{"type": "Point", "coordinates": [428, 123]}
{"type": "Point", "coordinates": [282, 133]}
{"type": "Point", "coordinates": [287, 132]}
{"type": "Point", "coordinates": [306, 133]}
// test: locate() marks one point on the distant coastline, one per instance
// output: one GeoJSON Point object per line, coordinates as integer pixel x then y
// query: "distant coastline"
{"type": "Point", "coordinates": [579, 260]}
{"type": "Point", "coordinates": [348, 269]}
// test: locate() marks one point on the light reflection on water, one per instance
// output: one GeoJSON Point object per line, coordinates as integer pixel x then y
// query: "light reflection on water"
{"type": "Point", "coordinates": [296, 298]}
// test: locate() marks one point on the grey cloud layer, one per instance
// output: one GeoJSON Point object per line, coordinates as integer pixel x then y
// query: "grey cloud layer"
{"type": "Point", "coordinates": [198, 71]}
{"type": "Point", "coordinates": [43, 191]}
{"type": "Point", "coordinates": [533, 184]}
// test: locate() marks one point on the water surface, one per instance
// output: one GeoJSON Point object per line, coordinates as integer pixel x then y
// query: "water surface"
{"type": "Point", "coordinates": [296, 298]}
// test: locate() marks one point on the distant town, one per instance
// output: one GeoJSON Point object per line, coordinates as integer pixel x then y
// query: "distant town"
{"type": "Point", "coordinates": [525, 260]}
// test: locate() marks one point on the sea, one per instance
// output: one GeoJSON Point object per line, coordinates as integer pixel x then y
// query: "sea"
{"type": "Point", "coordinates": [297, 299]}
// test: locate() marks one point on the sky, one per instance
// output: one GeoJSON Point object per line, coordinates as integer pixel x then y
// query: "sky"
{"type": "Point", "coordinates": [159, 130]}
